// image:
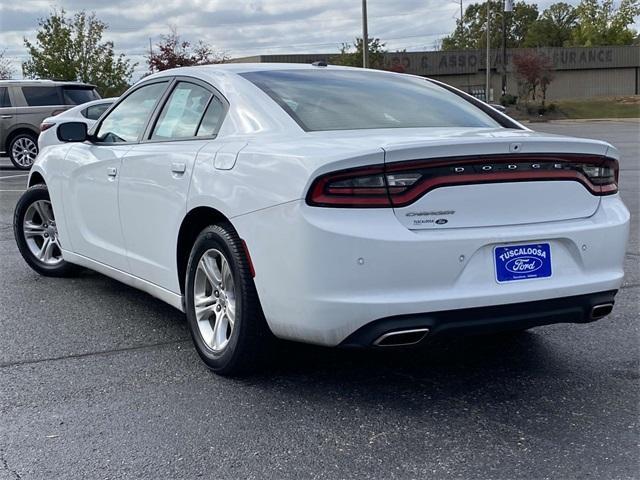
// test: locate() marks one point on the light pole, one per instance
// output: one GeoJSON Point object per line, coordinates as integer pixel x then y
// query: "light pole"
{"type": "Point", "coordinates": [508, 7]}
{"type": "Point", "coordinates": [488, 80]}
{"type": "Point", "coordinates": [365, 36]}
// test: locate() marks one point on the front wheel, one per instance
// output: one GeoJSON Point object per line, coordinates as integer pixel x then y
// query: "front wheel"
{"type": "Point", "coordinates": [36, 233]}
{"type": "Point", "coordinates": [23, 150]}
{"type": "Point", "coordinates": [223, 311]}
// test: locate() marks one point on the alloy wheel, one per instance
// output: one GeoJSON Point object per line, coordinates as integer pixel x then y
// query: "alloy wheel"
{"type": "Point", "coordinates": [41, 233]}
{"type": "Point", "coordinates": [24, 151]}
{"type": "Point", "coordinates": [214, 296]}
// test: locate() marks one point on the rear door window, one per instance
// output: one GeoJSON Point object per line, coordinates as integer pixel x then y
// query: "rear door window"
{"type": "Point", "coordinates": [79, 95]}
{"type": "Point", "coordinates": [4, 97]}
{"type": "Point", "coordinates": [95, 111]}
{"type": "Point", "coordinates": [41, 96]}
{"type": "Point", "coordinates": [181, 114]}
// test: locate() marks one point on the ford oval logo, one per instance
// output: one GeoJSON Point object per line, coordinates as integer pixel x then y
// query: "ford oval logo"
{"type": "Point", "coordinates": [523, 264]}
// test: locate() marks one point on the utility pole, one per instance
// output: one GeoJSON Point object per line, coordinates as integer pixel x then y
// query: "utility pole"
{"type": "Point", "coordinates": [461, 25]}
{"type": "Point", "coordinates": [150, 54]}
{"type": "Point", "coordinates": [488, 81]}
{"type": "Point", "coordinates": [365, 36]}
{"type": "Point", "coordinates": [508, 7]}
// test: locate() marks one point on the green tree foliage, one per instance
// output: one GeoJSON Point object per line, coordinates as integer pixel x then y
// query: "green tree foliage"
{"type": "Point", "coordinates": [351, 55]}
{"type": "Point", "coordinates": [71, 48]}
{"type": "Point", "coordinates": [474, 33]}
{"type": "Point", "coordinates": [554, 28]}
{"type": "Point", "coordinates": [591, 23]}
{"type": "Point", "coordinates": [174, 52]}
{"type": "Point", "coordinates": [6, 69]}
{"type": "Point", "coordinates": [604, 24]}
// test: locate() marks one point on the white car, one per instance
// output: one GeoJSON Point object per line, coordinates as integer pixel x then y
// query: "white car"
{"type": "Point", "coordinates": [87, 113]}
{"type": "Point", "coordinates": [328, 205]}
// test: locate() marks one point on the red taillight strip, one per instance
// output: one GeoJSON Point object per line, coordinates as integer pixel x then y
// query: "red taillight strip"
{"type": "Point", "coordinates": [425, 187]}
{"type": "Point", "coordinates": [321, 194]}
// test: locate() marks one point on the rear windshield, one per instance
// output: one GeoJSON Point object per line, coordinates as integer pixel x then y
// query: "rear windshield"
{"type": "Point", "coordinates": [79, 95]}
{"type": "Point", "coordinates": [326, 99]}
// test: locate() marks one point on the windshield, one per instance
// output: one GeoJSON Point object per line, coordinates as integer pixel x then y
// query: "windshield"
{"type": "Point", "coordinates": [325, 99]}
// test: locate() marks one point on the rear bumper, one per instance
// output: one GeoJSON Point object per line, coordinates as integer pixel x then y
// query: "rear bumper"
{"type": "Point", "coordinates": [323, 273]}
{"type": "Point", "coordinates": [518, 316]}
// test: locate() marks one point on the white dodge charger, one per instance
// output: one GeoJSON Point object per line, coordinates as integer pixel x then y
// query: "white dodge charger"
{"type": "Point", "coordinates": [328, 205]}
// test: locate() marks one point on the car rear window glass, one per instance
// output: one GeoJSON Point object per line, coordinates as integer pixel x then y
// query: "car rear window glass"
{"type": "Point", "coordinates": [212, 119]}
{"type": "Point", "coordinates": [41, 96]}
{"type": "Point", "coordinates": [181, 114]}
{"type": "Point", "coordinates": [326, 99]}
{"type": "Point", "coordinates": [95, 111]}
{"type": "Point", "coordinates": [79, 95]}
{"type": "Point", "coordinates": [4, 97]}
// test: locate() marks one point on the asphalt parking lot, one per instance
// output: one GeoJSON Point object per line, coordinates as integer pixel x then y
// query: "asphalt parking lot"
{"type": "Point", "coordinates": [98, 380]}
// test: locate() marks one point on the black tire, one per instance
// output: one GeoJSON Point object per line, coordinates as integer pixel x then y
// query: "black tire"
{"type": "Point", "coordinates": [250, 340]}
{"type": "Point", "coordinates": [23, 138]}
{"type": "Point", "coordinates": [30, 197]}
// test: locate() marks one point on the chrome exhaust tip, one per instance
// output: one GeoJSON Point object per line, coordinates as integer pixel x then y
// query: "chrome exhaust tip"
{"type": "Point", "coordinates": [600, 311]}
{"type": "Point", "coordinates": [401, 338]}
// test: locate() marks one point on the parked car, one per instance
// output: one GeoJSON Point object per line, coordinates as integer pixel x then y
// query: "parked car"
{"type": "Point", "coordinates": [23, 106]}
{"type": "Point", "coordinates": [328, 205]}
{"type": "Point", "coordinates": [87, 113]}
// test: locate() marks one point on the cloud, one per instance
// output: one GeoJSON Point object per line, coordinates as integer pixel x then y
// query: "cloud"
{"type": "Point", "coordinates": [245, 27]}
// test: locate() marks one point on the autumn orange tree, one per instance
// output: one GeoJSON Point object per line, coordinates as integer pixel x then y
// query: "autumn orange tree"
{"type": "Point", "coordinates": [173, 52]}
{"type": "Point", "coordinates": [534, 71]}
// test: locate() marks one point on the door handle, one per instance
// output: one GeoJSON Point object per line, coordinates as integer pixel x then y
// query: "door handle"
{"type": "Point", "coordinates": [112, 171]}
{"type": "Point", "coordinates": [6, 117]}
{"type": "Point", "coordinates": [178, 167]}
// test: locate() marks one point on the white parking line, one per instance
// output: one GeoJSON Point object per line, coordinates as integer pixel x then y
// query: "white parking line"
{"type": "Point", "coordinates": [15, 176]}
{"type": "Point", "coordinates": [11, 191]}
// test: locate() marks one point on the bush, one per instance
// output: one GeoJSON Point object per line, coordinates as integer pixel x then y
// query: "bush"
{"type": "Point", "coordinates": [508, 99]}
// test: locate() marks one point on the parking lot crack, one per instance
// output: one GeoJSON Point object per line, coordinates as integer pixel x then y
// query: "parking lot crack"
{"type": "Point", "coordinates": [92, 354]}
{"type": "Point", "coordinates": [5, 466]}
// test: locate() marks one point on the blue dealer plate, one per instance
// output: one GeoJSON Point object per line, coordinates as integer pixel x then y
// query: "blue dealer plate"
{"type": "Point", "coordinates": [522, 262]}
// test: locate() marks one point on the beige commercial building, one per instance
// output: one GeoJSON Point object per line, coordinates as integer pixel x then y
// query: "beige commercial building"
{"type": "Point", "coordinates": [578, 72]}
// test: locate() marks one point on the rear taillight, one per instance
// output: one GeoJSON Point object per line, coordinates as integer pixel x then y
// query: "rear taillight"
{"type": "Point", "coordinates": [46, 126]}
{"type": "Point", "coordinates": [360, 187]}
{"type": "Point", "coordinates": [402, 183]}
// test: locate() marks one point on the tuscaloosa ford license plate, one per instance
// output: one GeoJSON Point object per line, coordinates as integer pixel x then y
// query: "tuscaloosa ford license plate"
{"type": "Point", "coordinates": [522, 262]}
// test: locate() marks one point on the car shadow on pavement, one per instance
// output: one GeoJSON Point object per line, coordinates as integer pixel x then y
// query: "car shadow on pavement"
{"type": "Point", "coordinates": [499, 367]}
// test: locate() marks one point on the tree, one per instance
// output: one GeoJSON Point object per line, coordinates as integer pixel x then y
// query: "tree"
{"type": "Point", "coordinates": [351, 55]}
{"type": "Point", "coordinates": [6, 69]}
{"type": "Point", "coordinates": [603, 24]}
{"type": "Point", "coordinates": [174, 52]}
{"type": "Point", "coordinates": [473, 35]}
{"type": "Point", "coordinates": [71, 48]}
{"type": "Point", "coordinates": [533, 70]}
{"type": "Point", "coordinates": [554, 28]}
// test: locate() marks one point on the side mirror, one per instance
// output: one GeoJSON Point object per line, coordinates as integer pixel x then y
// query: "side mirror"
{"type": "Point", "coordinates": [72, 132]}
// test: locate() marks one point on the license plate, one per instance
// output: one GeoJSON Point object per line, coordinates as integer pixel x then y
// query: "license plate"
{"type": "Point", "coordinates": [522, 262]}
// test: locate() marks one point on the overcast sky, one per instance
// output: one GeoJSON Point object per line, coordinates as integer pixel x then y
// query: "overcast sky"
{"type": "Point", "coordinates": [244, 27]}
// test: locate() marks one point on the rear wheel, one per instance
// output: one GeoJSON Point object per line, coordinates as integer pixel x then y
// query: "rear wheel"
{"type": "Point", "coordinates": [23, 150]}
{"type": "Point", "coordinates": [36, 233]}
{"type": "Point", "coordinates": [224, 314]}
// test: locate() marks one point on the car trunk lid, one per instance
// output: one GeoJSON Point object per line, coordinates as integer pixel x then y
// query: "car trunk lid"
{"type": "Point", "coordinates": [491, 178]}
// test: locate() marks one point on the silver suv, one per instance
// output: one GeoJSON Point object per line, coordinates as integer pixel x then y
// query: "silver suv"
{"type": "Point", "coordinates": [23, 106]}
